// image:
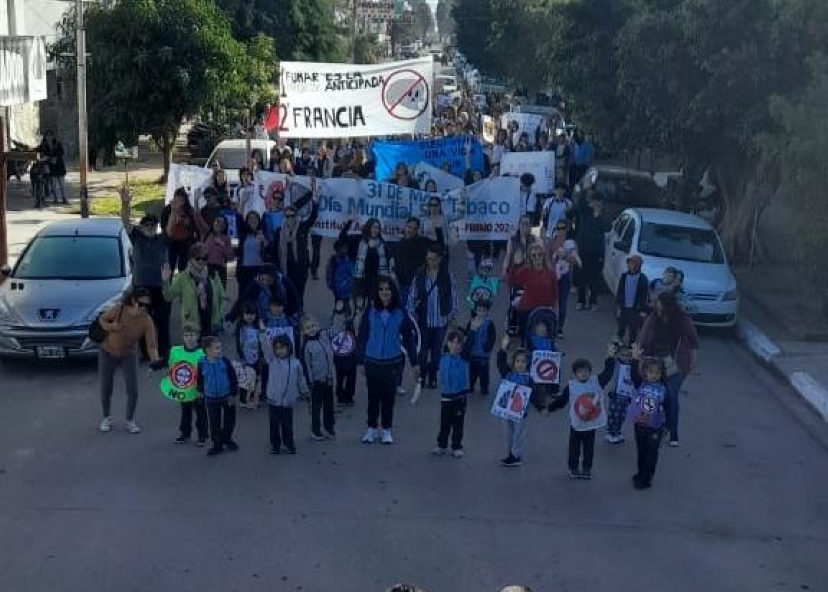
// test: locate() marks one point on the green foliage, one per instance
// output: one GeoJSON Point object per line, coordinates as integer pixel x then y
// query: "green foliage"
{"type": "Point", "coordinates": [691, 79]}
{"type": "Point", "coordinates": [443, 18]}
{"type": "Point", "coordinates": [473, 22]}
{"type": "Point", "coordinates": [367, 49]}
{"type": "Point", "coordinates": [303, 30]}
{"type": "Point", "coordinates": [798, 148]}
{"type": "Point", "coordinates": [423, 19]}
{"type": "Point", "coordinates": [155, 61]}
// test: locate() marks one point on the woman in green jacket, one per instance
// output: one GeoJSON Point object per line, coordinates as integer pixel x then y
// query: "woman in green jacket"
{"type": "Point", "coordinates": [200, 293]}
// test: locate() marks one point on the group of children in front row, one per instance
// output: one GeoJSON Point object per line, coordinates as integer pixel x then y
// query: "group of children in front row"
{"type": "Point", "coordinates": [635, 386]}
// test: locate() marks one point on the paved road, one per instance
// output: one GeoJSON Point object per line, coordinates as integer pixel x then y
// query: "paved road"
{"type": "Point", "coordinates": [740, 506]}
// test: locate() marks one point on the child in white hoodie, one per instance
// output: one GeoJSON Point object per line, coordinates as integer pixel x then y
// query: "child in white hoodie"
{"type": "Point", "coordinates": [286, 382]}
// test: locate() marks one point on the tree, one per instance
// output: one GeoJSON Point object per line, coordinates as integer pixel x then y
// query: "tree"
{"type": "Point", "coordinates": [423, 19]}
{"type": "Point", "coordinates": [473, 21]}
{"type": "Point", "coordinates": [153, 63]}
{"type": "Point", "coordinates": [517, 20]}
{"type": "Point", "coordinates": [443, 19]}
{"type": "Point", "coordinates": [302, 29]}
{"type": "Point", "coordinates": [403, 30]}
{"type": "Point", "coordinates": [797, 148]}
{"type": "Point", "coordinates": [367, 49]}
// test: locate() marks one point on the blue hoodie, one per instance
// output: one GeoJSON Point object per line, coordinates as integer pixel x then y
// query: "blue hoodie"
{"type": "Point", "coordinates": [217, 379]}
{"type": "Point", "coordinates": [384, 334]}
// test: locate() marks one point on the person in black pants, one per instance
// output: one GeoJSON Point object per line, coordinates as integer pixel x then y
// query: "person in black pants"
{"type": "Point", "coordinates": [149, 254]}
{"type": "Point", "coordinates": [589, 235]}
{"type": "Point", "coordinates": [454, 390]}
{"type": "Point", "coordinates": [587, 413]}
{"type": "Point", "coordinates": [345, 355]}
{"type": "Point", "coordinates": [385, 331]}
{"type": "Point", "coordinates": [632, 298]}
{"type": "Point", "coordinates": [219, 387]}
{"type": "Point", "coordinates": [482, 336]}
{"type": "Point", "coordinates": [290, 242]}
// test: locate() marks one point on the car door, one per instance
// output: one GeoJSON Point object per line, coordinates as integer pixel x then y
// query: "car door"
{"type": "Point", "coordinates": [612, 253]}
{"type": "Point", "coordinates": [624, 248]}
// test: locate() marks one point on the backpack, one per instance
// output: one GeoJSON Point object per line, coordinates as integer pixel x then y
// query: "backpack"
{"type": "Point", "coordinates": [96, 333]}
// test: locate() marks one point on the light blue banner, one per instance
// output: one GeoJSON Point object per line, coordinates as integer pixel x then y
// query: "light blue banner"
{"type": "Point", "coordinates": [436, 152]}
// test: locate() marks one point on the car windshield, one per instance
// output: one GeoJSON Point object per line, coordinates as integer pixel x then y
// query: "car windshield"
{"type": "Point", "coordinates": [230, 158]}
{"type": "Point", "coordinates": [680, 242]}
{"type": "Point", "coordinates": [630, 191]}
{"type": "Point", "coordinates": [71, 258]}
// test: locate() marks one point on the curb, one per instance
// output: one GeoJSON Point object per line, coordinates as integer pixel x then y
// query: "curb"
{"type": "Point", "coordinates": [810, 389]}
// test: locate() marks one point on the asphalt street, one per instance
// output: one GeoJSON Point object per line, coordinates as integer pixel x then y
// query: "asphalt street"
{"type": "Point", "coordinates": [741, 505]}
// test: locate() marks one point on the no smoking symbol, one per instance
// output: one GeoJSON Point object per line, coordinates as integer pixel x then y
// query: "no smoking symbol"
{"type": "Point", "coordinates": [343, 344]}
{"type": "Point", "coordinates": [405, 94]}
{"type": "Point", "coordinates": [547, 370]}
{"type": "Point", "coordinates": [648, 405]}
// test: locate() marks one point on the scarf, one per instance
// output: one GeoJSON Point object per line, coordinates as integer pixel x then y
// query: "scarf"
{"type": "Point", "coordinates": [362, 253]}
{"type": "Point", "coordinates": [204, 291]}
{"type": "Point", "coordinates": [287, 244]}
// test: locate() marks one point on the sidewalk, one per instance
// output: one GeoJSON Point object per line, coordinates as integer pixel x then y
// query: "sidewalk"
{"type": "Point", "coordinates": [782, 325]}
{"type": "Point", "coordinates": [23, 220]}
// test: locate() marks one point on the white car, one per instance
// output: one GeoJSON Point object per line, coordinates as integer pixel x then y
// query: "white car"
{"type": "Point", "coordinates": [664, 238]}
{"type": "Point", "coordinates": [232, 154]}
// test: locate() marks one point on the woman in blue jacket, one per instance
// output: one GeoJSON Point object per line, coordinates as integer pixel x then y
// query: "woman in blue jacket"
{"type": "Point", "coordinates": [385, 331]}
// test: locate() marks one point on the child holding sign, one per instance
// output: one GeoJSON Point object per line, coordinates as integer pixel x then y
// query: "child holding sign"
{"type": "Point", "coordinates": [181, 385]}
{"type": "Point", "coordinates": [545, 361]}
{"type": "Point", "coordinates": [514, 370]}
{"type": "Point", "coordinates": [247, 348]}
{"type": "Point", "coordinates": [587, 413]}
{"type": "Point", "coordinates": [618, 374]}
{"type": "Point", "coordinates": [345, 352]}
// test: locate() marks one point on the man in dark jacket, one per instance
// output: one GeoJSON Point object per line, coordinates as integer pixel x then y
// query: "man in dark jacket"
{"type": "Point", "coordinates": [589, 234]}
{"type": "Point", "coordinates": [432, 301]}
{"type": "Point", "coordinates": [409, 256]}
{"type": "Point", "coordinates": [632, 298]}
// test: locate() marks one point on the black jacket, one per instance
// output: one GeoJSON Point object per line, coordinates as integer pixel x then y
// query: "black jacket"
{"type": "Point", "coordinates": [409, 257]}
{"type": "Point", "coordinates": [302, 234]}
{"type": "Point", "coordinates": [642, 292]}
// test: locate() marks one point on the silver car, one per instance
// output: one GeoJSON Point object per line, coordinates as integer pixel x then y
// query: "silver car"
{"type": "Point", "coordinates": [69, 272]}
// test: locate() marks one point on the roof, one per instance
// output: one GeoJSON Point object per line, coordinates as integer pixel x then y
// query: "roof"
{"type": "Point", "coordinates": [242, 144]}
{"type": "Point", "coordinates": [612, 169]}
{"type": "Point", "coordinates": [672, 217]}
{"type": "Point", "coordinates": [83, 227]}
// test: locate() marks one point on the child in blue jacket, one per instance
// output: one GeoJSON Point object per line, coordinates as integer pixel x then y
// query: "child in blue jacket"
{"type": "Point", "coordinates": [454, 389]}
{"type": "Point", "coordinates": [219, 387]}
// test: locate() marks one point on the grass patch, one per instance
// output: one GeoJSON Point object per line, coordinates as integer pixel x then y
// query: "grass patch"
{"type": "Point", "coordinates": [147, 197]}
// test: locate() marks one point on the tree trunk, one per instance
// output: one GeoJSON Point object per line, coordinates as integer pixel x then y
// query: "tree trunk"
{"type": "Point", "coordinates": [745, 198]}
{"type": "Point", "coordinates": [168, 146]}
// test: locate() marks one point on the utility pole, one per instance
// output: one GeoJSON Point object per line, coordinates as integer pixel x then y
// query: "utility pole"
{"type": "Point", "coordinates": [83, 148]}
{"type": "Point", "coordinates": [354, 30]}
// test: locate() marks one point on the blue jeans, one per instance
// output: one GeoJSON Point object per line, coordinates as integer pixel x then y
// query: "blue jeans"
{"type": "Point", "coordinates": [671, 405]}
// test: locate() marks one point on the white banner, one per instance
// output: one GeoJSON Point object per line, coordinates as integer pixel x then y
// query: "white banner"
{"type": "Point", "coordinates": [424, 172]}
{"type": "Point", "coordinates": [511, 401]}
{"type": "Point", "coordinates": [546, 367]}
{"type": "Point", "coordinates": [540, 164]}
{"type": "Point", "coordinates": [22, 70]}
{"type": "Point", "coordinates": [527, 122]}
{"type": "Point", "coordinates": [362, 199]}
{"type": "Point", "coordinates": [319, 100]}
{"type": "Point", "coordinates": [493, 209]}
{"type": "Point", "coordinates": [193, 179]}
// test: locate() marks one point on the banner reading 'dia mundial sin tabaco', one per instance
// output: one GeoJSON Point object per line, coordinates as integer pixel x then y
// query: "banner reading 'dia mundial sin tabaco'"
{"type": "Point", "coordinates": [319, 100]}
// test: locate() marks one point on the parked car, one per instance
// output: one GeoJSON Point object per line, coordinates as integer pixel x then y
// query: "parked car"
{"type": "Point", "coordinates": [664, 238]}
{"type": "Point", "coordinates": [67, 275]}
{"type": "Point", "coordinates": [232, 154]}
{"type": "Point", "coordinates": [620, 188]}
{"type": "Point", "coordinates": [203, 138]}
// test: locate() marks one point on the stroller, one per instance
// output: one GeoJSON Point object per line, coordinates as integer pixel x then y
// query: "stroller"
{"type": "Point", "coordinates": [542, 314]}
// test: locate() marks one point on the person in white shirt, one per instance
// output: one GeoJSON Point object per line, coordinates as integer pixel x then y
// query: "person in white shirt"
{"type": "Point", "coordinates": [554, 210]}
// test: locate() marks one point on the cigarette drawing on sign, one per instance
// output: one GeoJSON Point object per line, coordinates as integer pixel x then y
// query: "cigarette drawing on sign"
{"type": "Point", "coordinates": [405, 94]}
{"type": "Point", "coordinates": [511, 401]}
{"type": "Point", "coordinates": [546, 367]}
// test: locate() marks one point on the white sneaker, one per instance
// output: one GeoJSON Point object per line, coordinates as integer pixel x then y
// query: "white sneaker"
{"type": "Point", "coordinates": [133, 427]}
{"type": "Point", "coordinates": [387, 438]}
{"type": "Point", "coordinates": [674, 443]}
{"type": "Point", "coordinates": [439, 451]}
{"type": "Point", "coordinates": [106, 424]}
{"type": "Point", "coordinates": [370, 436]}
{"type": "Point", "coordinates": [400, 391]}
{"type": "Point", "coordinates": [579, 306]}
{"type": "Point", "coordinates": [457, 453]}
